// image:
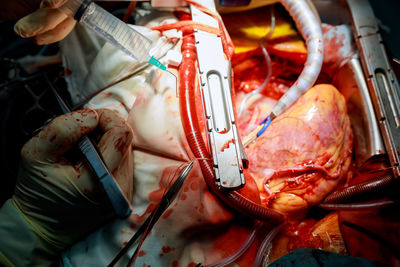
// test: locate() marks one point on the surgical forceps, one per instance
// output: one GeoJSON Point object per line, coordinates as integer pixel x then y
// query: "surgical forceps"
{"type": "Point", "coordinates": [146, 227]}
{"type": "Point", "coordinates": [120, 204]}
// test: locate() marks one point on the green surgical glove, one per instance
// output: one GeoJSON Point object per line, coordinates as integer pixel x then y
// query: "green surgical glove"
{"type": "Point", "coordinates": [56, 201]}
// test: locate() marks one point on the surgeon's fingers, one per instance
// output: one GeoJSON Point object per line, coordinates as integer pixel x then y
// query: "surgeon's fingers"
{"type": "Point", "coordinates": [116, 148]}
{"type": "Point", "coordinates": [56, 34]}
{"type": "Point", "coordinates": [59, 136]}
{"type": "Point", "coordinates": [40, 21]}
{"type": "Point", "coordinates": [116, 140]}
{"type": "Point", "coordinates": [123, 174]}
{"type": "Point", "coordinates": [52, 3]}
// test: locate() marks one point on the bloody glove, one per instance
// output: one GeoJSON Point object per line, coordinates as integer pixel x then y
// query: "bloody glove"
{"type": "Point", "coordinates": [57, 200]}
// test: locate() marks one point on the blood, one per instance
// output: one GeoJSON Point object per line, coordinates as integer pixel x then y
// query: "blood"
{"type": "Point", "coordinates": [67, 72]}
{"type": "Point", "coordinates": [120, 145]}
{"type": "Point", "coordinates": [194, 186]}
{"type": "Point", "coordinates": [87, 191]}
{"type": "Point", "coordinates": [42, 173]}
{"type": "Point", "coordinates": [300, 236]}
{"type": "Point", "coordinates": [107, 95]}
{"type": "Point", "coordinates": [139, 219]}
{"type": "Point", "coordinates": [156, 195]}
{"type": "Point", "coordinates": [84, 112]}
{"type": "Point", "coordinates": [85, 129]}
{"type": "Point", "coordinates": [226, 145]}
{"type": "Point", "coordinates": [250, 71]}
{"type": "Point", "coordinates": [167, 213]}
{"type": "Point", "coordinates": [232, 238]}
{"type": "Point", "coordinates": [167, 249]}
{"type": "Point", "coordinates": [201, 209]}
{"type": "Point", "coordinates": [333, 45]}
{"type": "Point", "coordinates": [52, 138]}
{"type": "Point", "coordinates": [141, 253]}
{"type": "Point", "coordinates": [125, 232]}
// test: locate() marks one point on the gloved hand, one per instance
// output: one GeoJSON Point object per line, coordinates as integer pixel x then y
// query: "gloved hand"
{"type": "Point", "coordinates": [56, 201]}
{"type": "Point", "coordinates": [46, 24]}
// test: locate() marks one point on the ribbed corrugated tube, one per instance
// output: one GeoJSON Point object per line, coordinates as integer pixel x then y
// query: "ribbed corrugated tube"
{"type": "Point", "coordinates": [309, 26]}
{"type": "Point", "coordinates": [187, 85]}
{"type": "Point", "coordinates": [373, 185]}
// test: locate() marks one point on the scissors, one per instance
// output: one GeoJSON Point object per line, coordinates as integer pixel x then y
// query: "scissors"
{"type": "Point", "coordinates": [146, 227]}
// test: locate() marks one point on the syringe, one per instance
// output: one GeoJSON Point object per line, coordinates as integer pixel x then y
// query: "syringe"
{"type": "Point", "coordinates": [112, 29]}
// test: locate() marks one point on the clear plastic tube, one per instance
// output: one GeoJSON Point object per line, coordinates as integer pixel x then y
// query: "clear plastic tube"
{"type": "Point", "coordinates": [238, 253]}
{"type": "Point", "coordinates": [264, 245]}
{"type": "Point", "coordinates": [267, 60]}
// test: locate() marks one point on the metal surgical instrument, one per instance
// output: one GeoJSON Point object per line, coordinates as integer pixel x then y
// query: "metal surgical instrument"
{"type": "Point", "coordinates": [382, 83]}
{"type": "Point", "coordinates": [120, 204]}
{"type": "Point", "coordinates": [227, 151]}
{"type": "Point", "coordinates": [146, 227]}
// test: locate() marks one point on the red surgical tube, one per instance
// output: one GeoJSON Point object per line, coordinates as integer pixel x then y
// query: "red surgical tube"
{"type": "Point", "coordinates": [187, 86]}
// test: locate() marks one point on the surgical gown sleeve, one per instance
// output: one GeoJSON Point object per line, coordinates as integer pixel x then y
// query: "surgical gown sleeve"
{"type": "Point", "coordinates": [19, 245]}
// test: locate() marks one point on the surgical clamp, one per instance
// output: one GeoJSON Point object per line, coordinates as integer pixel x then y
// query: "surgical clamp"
{"type": "Point", "coordinates": [146, 227]}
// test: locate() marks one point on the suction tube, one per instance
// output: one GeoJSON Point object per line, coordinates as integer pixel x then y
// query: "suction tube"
{"type": "Point", "coordinates": [187, 85]}
{"type": "Point", "coordinates": [309, 26]}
